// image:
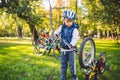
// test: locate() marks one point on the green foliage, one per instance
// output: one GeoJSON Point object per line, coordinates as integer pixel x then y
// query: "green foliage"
{"type": "Point", "coordinates": [111, 9]}
{"type": "Point", "coordinates": [102, 13]}
{"type": "Point", "coordinates": [18, 61]}
{"type": "Point", "coordinates": [92, 15]}
{"type": "Point", "coordinates": [26, 9]}
{"type": "Point", "coordinates": [32, 12]}
{"type": "Point", "coordinates": [9, 25]}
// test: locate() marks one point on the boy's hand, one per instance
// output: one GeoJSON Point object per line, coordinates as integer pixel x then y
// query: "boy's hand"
{"type": "Point", "coordinates": [70, 46]}
{"type": "Point", "coordinates": [55, 35]}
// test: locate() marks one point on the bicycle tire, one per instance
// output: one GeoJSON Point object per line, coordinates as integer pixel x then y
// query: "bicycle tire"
{"type": "Point", "coordinates": [87, 43]}
{"type": "Point", "coordinates": [56, 50]}
{"type": "Point", "coordinates": [47, 50]}
{"type": "Point", "coordinates": [39, 47]}
{"type": "Point", "coordinates": [102, 62]}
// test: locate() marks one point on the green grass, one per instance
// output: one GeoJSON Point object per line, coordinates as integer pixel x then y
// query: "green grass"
{"type": "Point", "coordinates": [18, 61]}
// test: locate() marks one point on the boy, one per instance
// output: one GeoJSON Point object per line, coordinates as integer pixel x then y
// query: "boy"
{"type": "Point", "coordinates": [69, 33]}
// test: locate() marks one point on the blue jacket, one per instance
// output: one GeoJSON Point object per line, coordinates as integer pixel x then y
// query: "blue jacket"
{"type": "Point", "coordinates": [67, 34]}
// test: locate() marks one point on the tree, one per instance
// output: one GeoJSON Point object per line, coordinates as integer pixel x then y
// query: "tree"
{"type": "Point", "coordinates": [101, 13]}
{"type": "Point", "coordinates": [25, 9]}
{"type": "Point", "coordinates": [112, 10]}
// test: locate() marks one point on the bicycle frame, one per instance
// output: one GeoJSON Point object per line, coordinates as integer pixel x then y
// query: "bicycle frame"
{"type": "Point", "coordinates": [95, 68]}
{"type": "Point", "coordinates": [53, 42]}
{"type": "Point", "coordinates": [91, 73]}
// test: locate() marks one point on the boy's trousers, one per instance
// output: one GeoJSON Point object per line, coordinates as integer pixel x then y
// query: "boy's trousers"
{"type": "Point", "coordinates": [68, 57]}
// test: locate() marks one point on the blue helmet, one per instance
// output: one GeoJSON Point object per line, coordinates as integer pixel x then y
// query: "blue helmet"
{"type": "Point", "coordinates": [69, 14]}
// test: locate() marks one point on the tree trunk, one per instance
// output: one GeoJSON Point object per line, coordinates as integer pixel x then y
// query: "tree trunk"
{"type": "Point", "coordinates": [51, 24]}
{"type": "Point", "coordinates": [34, 32]}
{"type": "Point", "coordinates": [19, 31]}
{"type": "Point", "coordinates": [3, 3]}
{"type": "Point", "coordinates": [117, 29]}
{"type": "Point", "coordinates": [76, 9]}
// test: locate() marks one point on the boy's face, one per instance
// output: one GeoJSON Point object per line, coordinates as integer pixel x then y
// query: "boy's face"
{"type": "Point", "coordinates": [68, 22]}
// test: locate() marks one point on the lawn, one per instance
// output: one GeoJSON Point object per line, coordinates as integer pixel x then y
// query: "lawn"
{"type": "Point", "coordinates": [18, 61]}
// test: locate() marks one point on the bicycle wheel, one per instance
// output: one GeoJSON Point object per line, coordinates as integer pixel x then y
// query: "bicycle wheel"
{"type": "Point", "coordinates": [101, 64]}
{"type": "Point", "coordinates": [40, 46]}
{"type": "Point", "coordinates": [87, 53]}
{"type": "Point", "coordinates": [56, 50]}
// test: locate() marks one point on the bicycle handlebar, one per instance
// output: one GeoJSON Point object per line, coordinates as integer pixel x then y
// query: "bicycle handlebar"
{"type": "Point", "coordinates": [69, 45]}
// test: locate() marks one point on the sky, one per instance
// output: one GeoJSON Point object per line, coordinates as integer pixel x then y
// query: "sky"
{"type": "Point", "coordinates": [46, 3]}
{"type": "Point", "coordinates": [1, 1]}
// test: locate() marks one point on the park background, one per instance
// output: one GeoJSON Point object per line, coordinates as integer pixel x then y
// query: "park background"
{"type": "Point", "coordinates": [21, 21]}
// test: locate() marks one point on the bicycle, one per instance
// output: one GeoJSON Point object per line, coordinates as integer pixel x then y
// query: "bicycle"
{"type": "Point", "coordinates": [45, 45]}
{"type": "Point", "coordinates": [40, 43]}
{"type": "Point", "coordinates": [87, 60]}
